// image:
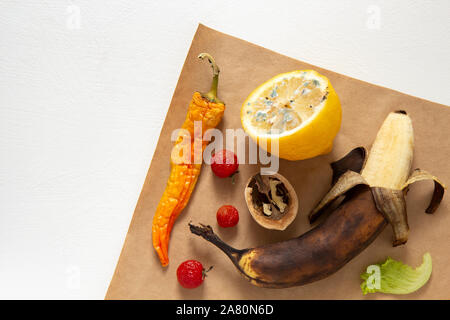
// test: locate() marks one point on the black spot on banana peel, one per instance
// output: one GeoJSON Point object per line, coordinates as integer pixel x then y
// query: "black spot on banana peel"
{"type": "Point", "coordinates": [314, 255]}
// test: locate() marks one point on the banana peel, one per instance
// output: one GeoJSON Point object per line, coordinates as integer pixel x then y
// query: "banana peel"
{"type": "Point", "coordinates": [386, 172]}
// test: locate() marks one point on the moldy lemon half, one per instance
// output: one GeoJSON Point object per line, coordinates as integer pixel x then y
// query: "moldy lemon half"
{"type": "Point", "coordinates": [299, 109]}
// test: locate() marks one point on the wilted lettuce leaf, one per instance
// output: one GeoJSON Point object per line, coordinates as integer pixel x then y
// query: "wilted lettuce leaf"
{"type": "Point", "coordinates": [397, 277]}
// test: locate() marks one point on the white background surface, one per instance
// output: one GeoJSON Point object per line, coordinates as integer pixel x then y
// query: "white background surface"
{"type": "Point", "coordinates": [85, 85]}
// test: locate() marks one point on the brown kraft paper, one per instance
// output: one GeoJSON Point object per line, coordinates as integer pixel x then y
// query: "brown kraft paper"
{"type": "Point", "coordinates": [244, 66]}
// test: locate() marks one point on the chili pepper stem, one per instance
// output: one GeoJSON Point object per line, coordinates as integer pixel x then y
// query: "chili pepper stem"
{"type": "Point", "coordinates": [211, 95]}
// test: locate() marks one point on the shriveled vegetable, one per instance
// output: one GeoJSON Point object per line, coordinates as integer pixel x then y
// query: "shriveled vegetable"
{"type": "Point", "coordinates": [396, 277]}
{"type": "Point", "coordinates": [208, 110]}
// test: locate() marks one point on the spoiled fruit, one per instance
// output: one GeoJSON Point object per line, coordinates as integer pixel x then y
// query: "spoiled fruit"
{"type": "Point", "coordinates": [191, 274]}
{"type": "Point", "coordinates": [224, 163]}
{"type": "Point", "coordinates": [227, 216]}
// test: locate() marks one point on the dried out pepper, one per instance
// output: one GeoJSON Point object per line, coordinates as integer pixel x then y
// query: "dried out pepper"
{"type": "Point", "coordinates": [208, 110]}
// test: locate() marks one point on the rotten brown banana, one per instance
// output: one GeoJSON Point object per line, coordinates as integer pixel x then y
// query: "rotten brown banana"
{"type": "Point", "coordinates": [362, 201]}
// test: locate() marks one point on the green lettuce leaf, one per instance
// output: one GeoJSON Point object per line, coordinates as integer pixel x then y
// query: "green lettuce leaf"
{"type": "Point", "coordinates": [396, 277]}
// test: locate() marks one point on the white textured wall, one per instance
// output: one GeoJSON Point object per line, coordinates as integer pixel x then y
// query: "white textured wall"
{"type": "Point", "coordinates": [83, 97]}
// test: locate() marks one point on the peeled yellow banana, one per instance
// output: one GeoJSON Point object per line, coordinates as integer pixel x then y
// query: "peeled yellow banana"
{"type": "Point", "coordinates": [390, 158]}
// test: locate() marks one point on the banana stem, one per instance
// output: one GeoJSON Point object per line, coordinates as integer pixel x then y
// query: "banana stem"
{"type": "Point", "coordinates": [207, 233]}
{"type": "Point", "coordinates": [211, 95]}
